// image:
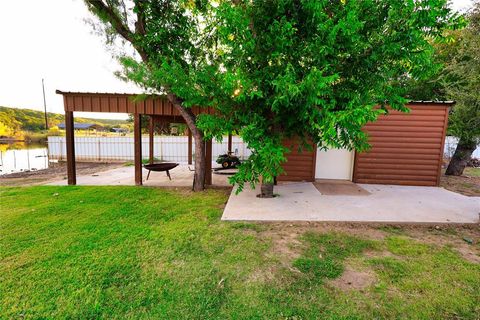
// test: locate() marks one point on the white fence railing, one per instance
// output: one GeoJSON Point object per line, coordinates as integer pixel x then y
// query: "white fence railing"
{"type": "Point", "coordinates": [451, 145]}
{"type": "Point", "coordinates": [166, 148]}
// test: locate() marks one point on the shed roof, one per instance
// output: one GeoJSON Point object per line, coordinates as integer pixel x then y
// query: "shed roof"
{"type": "Point", "coordinates": [432, 102]}
{"type": "Point", "coordinates": [123, 103]}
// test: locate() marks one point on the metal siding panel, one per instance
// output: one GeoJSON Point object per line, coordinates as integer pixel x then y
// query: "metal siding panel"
{"type": "Point", "coordinates": [70, 103]}
{"type": "Point", "coordinates": [407, 149]}
{"type": "Point", "coordinates": [113, 102]}
{"type": "Point", "coordinates": [78, 103]}
{"type": "Point", "coordinates": [116, 102]}
{"type": "Point", "coordinates": [122, 104]}
{"type": "Point", "coordinates": [96, 104]}
{"type": "Point", "coordinates": [300, 166]}
{"type": "Point", "coordinates": [149, 107]}
{"type": "Point", "coordinates": [131, 107]}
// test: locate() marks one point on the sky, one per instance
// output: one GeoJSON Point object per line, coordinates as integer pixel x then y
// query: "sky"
{"type": "Point", "coordinates": [49, 39]}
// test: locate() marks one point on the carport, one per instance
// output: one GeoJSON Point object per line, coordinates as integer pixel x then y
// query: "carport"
{"type": "Point", "coordinates": [156, 107]}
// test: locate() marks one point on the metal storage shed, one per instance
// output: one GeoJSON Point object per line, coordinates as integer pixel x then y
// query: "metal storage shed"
{"type": "Point", "coordinates": [406, 149]}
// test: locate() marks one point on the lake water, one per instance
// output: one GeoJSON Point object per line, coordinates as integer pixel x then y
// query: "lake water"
{"type": "Point", "coordinates": [19, 157]}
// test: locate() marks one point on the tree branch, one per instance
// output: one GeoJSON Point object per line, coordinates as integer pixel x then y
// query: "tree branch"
{"type": "Point", "coordinates": [106, 13]}
{"type": "Point", "coordinates": [140, 23]}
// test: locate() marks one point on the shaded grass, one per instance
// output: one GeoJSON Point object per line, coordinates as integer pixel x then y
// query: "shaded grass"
{"type": "Point", "coordinates": [145, 253]}
{"type": "Point", "coordinates": [472, 172]}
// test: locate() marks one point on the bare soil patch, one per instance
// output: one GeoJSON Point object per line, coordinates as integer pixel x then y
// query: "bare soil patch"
{"type": "Point", "coordinates": [353, 279]}
{"type": "Point", "coordinates": [286, 244]}
{"type": "Point", "coordinates": [56, 171]}
{"type": "Point", "coordinates": [285, 237]}
{"type": "Point", "coordinates": [466, 184]}
{"type": "Point", "coordinates": [455, 237]}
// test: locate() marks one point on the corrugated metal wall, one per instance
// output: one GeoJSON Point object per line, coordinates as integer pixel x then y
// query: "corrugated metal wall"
{"type": "Point", "coordinates": [123, 103]}
{"type": "Point", "coordinates": [300, 165]}
{"type": "Point", "coordinates": [407, 149]}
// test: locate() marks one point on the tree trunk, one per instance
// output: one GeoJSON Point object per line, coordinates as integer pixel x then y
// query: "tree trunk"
{"type": "Point", "coordinates": [190, 118]}
{"type": "Point", "coordinates": [266, 190]}
{"type": "Point", "coordinates": [199, 175]}
{"type": "Point", "coordinates": [107, 12]}
{"type": "Point", "coordinates": [462, 155]}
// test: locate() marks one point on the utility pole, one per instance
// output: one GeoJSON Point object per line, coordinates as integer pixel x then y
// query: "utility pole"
{"type": "Point", "coordinates": [45, 106]}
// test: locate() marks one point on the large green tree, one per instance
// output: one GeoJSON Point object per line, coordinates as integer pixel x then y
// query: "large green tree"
{"type": "Point", "coordinates": [463, 84]}
{"type": "Point", "coordinates": [315, 70]}
{"type": "Point", "coordinates": [458, 79]}
{"type": "Point", "coordinates": [312, 70]}
{"type": "Point", "coordinates": [171, 49]}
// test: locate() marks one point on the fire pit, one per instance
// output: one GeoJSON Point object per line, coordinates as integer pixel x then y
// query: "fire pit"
{"type": "Point", "coordinates": [165, 166]}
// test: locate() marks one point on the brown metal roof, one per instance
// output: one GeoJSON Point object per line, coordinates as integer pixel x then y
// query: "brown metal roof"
{"type": "Point", "coordinates": [122, 103]}
{"type": "Point", "coordinates": [94, 93]}
{"type": "Point", "coordinates": [449, 102]}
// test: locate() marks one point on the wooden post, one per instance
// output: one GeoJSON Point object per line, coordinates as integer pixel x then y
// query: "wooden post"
{"type": "Point", "coordinates": [150, 139]}
{"type": "Point", "coordinates": [137, 137]}
{"type": "Point", "coordinates": [70, 140]}
{"type": "Point", "coordinates": [208, 162]}
{"type": "Point", "coordinates": [189, 146]}
{"type": "Point", "coordinates": [229, 142]}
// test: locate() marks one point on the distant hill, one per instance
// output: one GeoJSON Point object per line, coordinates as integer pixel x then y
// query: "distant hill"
{"type": "Point", "coordinates": [13, 120]}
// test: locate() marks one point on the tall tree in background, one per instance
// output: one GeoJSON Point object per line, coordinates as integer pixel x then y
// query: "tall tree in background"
{"type": "Point", "coordinates": [459, 80]}
{"type": "Point", "coordinates": [464, 69]}
{"type": "Point", "coordinates": [315, 70]}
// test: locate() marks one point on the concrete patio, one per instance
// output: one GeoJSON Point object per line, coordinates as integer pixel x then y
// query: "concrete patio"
{"type": "Point", "coordinates": [125, 176]}
{"type": "Point", "coordinates": [385, 204]}
{"type": "Point", "coordinates": [304, 202]}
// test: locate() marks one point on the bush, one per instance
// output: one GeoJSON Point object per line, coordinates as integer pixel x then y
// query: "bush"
{"type": "Point", "coordinates": [54, 131]}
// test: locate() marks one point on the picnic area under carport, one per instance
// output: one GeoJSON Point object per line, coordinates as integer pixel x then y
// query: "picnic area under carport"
{"type": "Point", "coordinates": [156, 107]}
{"type": "Point", "coordinates": [182, 176]}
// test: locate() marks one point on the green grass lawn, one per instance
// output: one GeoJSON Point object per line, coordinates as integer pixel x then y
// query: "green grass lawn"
{"type": "Point", "coordinates": [145, 253]}
{"type": "Point", "coordinates": [472, 172]}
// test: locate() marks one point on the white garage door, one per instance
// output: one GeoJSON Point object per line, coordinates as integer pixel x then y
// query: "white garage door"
{"type": "Point", "coordinates": [334, 164]}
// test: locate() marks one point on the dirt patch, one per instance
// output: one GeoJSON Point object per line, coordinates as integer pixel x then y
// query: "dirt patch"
{"type": "Point", "coordinates": [263, 275]}
{"type": "Point", "coordinates": [297, 228]}
{"type": "Point", "coordinates": [469, 253]}
{"type": "Point", "coordinates": [56, 171]}
{"type": "Point", "coordinates": [339, 188]}
{"type": "Point", "coordinates": [287, 246]}
{"type": "Point", "coordinates": [466, 185]}
{"type": "Point", "coordinates": [456, 238]}
{"type": "Point", "coordinates": [352, 279]}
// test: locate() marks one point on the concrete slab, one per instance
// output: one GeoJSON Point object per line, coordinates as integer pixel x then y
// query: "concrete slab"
{"type": "Point", "coordinates": [386, 203]}
{"type": "Point", "coordinates": [125, 176]}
